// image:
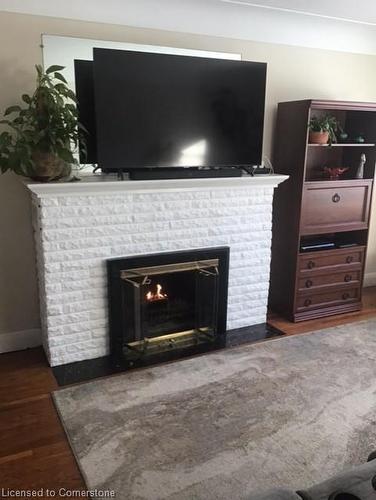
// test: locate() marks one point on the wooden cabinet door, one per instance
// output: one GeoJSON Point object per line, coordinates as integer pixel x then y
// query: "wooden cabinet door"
{"type": "Point", "coordinates": [332, 206]}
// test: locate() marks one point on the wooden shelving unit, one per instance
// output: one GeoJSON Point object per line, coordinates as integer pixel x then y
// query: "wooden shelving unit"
{"type": "Point", "coordinates": [309, 207]}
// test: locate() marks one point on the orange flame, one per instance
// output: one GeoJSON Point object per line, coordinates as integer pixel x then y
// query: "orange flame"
{"type": "Point", "coordinates": [158, 295]}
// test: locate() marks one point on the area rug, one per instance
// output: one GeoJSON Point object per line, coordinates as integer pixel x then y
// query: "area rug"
{"type": "Point", "coordinates": [288, 412]}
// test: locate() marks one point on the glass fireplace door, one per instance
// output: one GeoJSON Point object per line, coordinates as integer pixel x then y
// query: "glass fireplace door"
{"type": "Point", "coordinates": [168, 306]}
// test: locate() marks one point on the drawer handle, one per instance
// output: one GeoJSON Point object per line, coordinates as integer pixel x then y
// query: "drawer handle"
{"type": "Point", "coordinates": [348, 278]}
{"type": "Point", "coordinates": [311, 264]}
{"type": "Point", "coordinates": [308, 283]}
{"type": "Point", "coordinates": [307, 302]}
{"type": "Point", "coordinates": [336, 198]}
{"type": "Point", "coordinates": [345, 296]}
{"type": "Point", "coordinates": [349, 259]}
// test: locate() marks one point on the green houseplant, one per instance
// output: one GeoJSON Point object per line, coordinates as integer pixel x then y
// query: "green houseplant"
{"type": "Point", "coordinates": [41, 136]}
{"type": "Point", "coordinates": [322, 129]}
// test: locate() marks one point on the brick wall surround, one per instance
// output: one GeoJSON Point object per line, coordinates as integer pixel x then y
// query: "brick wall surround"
{"type": "Point", "coordinates": [78, 227]}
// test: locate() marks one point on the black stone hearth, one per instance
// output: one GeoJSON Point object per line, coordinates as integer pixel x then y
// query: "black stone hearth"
{"type": "Point", "coordinates": [164, 307]}
{"type": "Point", "coordinates": [82, 371]}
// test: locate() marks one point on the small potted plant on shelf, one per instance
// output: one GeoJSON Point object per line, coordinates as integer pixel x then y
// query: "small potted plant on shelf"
{"type": "Point", "coordinates": [322, 129]}
{"type": "Point", "coordinates": [43, 134]}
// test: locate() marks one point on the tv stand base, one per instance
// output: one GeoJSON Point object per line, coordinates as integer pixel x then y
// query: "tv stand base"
{"type": "Point", "coordinates": [143, 174]}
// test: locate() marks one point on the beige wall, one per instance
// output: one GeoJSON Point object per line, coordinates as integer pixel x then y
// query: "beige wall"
{"type": "Point", "coordinates": [293, 73]}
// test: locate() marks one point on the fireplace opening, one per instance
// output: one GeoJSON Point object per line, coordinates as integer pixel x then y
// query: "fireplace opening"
{"type": "Point", "coordinates": [167, 302]}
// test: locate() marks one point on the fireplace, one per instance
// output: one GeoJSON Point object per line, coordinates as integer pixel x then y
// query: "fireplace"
{"type": "Point", "coordinates": [167, 304]}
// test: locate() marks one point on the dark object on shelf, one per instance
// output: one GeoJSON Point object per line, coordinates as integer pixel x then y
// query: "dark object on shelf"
{"type": "Point", "coordinates": [360, 172]}
{"type": "Point", "coordinates": [359, 139]}
{"type": "Point", "coordinates": [347, 245]}
{"type": "Point", "coordinates": [142, 174]}
{"type": "Point", "coordinates": [343, 137]}
{"type": "Point", "coordinates": [334, 172]}
{"type": "Point", "coordinates": [318, 283]}
{"type": "Point", "coordinates": [316, 244]}
{"type": "Point", "coordinates": [262, 171]}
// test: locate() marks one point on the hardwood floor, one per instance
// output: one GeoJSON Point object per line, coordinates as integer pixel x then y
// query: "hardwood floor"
{"type": "Point", "coordinates": [34, 452]}
{"type": "Point", "coordinates": [369, 310]}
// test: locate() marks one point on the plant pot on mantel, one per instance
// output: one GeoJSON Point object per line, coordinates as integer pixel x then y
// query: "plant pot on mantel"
{"type": "Point", "coordinates": [318, 137]}
{"type": "Point", "coordinates": [44, 131]}
{"type": "Point", "coordinates": [49, 167]}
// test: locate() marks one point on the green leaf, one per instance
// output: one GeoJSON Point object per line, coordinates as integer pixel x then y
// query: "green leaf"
{"type": "Point", "coordinates": [4, 166]}
{"type": "Point", "coordinates": [71, 111]}
{"type": "Point", "coordinates": [53, 68]}
{"type": "Point", "coordinates": [12, 109]}
{"type": "Point", "coordinates": [26, 98]}
{"type": "Point", "coordinates": [4, 137]}
{"type": "Point", "coordinates": [60, 87]}
{"type": "Point", "coordinates": [60, 77]}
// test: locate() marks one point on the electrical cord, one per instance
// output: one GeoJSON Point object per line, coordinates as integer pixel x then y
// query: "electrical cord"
{"type": "Point", "coordinates": [268, 164]}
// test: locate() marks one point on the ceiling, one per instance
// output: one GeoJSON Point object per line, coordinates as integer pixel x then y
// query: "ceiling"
{"type": "Point", "coordinates": [347, 10]}
{"type": "Point", "coordinates": [338, 9]}
{"type": "Point", "coordinates": [324, 24]}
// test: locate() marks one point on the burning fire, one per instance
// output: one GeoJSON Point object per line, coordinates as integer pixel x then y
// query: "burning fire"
{"type": "Point", "coordinates": [158, 295]}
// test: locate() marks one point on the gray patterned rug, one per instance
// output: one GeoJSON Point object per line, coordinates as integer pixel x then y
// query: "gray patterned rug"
{"type": "Point", "coordinates": [288, 412]}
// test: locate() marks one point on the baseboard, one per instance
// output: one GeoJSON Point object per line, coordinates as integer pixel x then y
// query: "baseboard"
{"type": "Point", "coordinates": [18, 341]}
{"type": "Point", "coordinates": [369, 279]}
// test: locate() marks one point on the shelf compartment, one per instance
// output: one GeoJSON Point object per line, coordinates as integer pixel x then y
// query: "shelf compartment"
{"type": "Point", "coordinates": [341, 155]}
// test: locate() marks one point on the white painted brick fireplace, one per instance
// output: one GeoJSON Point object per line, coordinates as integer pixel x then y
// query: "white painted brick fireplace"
{"type": "Point", "coordinates": [78, 226]}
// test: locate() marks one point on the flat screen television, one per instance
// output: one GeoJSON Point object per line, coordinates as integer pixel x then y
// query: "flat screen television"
{"type": "Point", "coordinates": [84, 79]}
{"type": "Point", "coordinates": [157, 110]}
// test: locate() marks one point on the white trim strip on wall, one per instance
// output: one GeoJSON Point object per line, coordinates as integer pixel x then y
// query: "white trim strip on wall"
{"type": "Point", "coordinates": [369, 279]}
{"type": "Point", "coordinates": [18, 341]}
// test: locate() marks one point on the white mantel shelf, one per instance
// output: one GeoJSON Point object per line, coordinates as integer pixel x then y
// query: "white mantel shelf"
{"type": "Point", "coordinates": [99, 183]}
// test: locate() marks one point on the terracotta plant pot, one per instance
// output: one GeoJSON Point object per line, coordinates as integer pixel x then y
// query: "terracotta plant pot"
{"type": "Point", "coordinates": [318, 137]}
{"type": "Point", "coordinates": [48, 167]}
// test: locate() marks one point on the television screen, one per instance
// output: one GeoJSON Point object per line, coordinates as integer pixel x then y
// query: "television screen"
{"type": "Point", "coordinates": [157, 110]}
{"type": "Point", "coordinates": [84, 79]}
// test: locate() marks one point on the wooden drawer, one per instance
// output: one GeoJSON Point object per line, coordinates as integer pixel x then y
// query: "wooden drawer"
{"type": "Point", "coordinates": [326, 298]}
{"type": "Point", "coordinates": [331, 206]}
{"type": "Point", "coordinates": [309, 284]}
{"type": "Point", "coordinates": [331, 260]}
